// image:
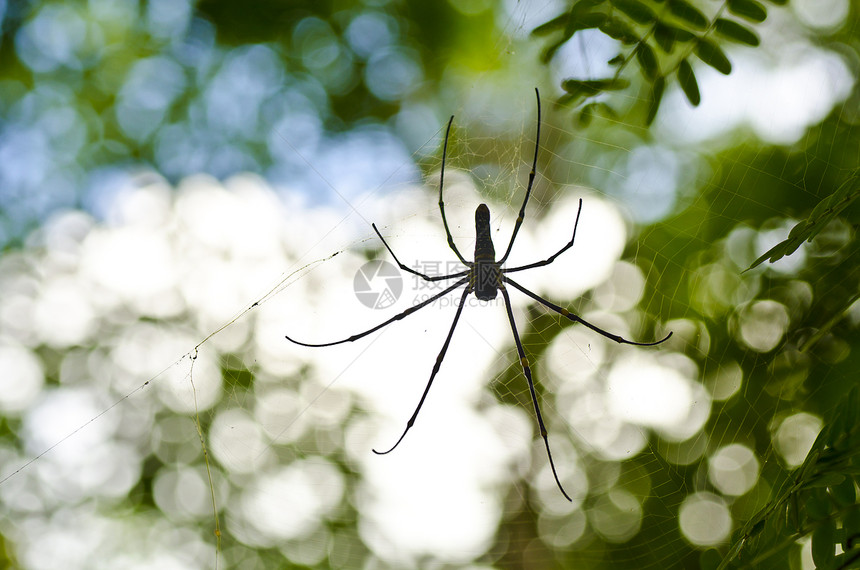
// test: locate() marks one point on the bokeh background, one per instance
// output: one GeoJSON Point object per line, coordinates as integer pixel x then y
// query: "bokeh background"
{"type": "Point", "coordinates": [183, 183]}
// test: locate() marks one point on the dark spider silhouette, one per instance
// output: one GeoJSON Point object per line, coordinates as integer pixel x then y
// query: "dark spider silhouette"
{"type": "Point", "coordinates": [485, 277]}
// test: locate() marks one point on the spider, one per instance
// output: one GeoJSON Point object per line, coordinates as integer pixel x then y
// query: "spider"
{"type": "Point", "coordinates": [485, 277]}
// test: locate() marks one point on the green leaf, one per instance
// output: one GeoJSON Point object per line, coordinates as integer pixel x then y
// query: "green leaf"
{"type": "Point", "coordinates": [817, 505]}
{"type": "Point", "coordinates": [656, 97]}
{"type": "Point", "coordinates": [590, 20]}
{"type": "Point", "coordinates": [710, 53]}
{"type": "Point", "coordinates": [636, 10]}
{"type": "Point", "coordinates": [687, 79]}
{"type": "Point", "coordinates": [591, 110]}
{"type": "Point", "coordinates": [836, 315]}
{"type": "Point", "coordinates": [585, 116]}
{"type": "Point", "coordinates": [605, 110]}
{"type": "Point", "coordinates": [843, 560]}
{"type": "Point", "coordinates": [749, 9]}
{"type": "Point", "coordinates": [617, 60]}
{"type": "Point", "coordinates": [580, 17]}
{"type": "Point", "coordinates": [734, 31]}
{"type": "Point", "coordinates": [548, 53]}
{"type": "Point", "coordinates": [647, 60]}
{"type": "Point", "coordinates": [792, 517]}
{"type": "Point", "coordinates": [844, 492]}
{"type": "Point", "coordinates": [779, 2]}
{"type": "Point", "coordinates": [821, 215]}
{"type": "Point", "coordinates": [732, 554]}
{"type": "Point", "coordinates": [758, 527]}
{"type": "Point", "coordinates": [664, 37]}
{"type": "Point", "coordinates": [851, 407]}
{"type": "Point", "coordinates": [557, 23]}
{"type": "Point", "coordinates": [682, 35]}
{"type": "Point", "coordinates": [618, 30]}
{"type": "Point", "coordinates": [807, 468]}
{"type": "Point", "coordinates": [594, 86]}
{"type": "Point", "coordinates": [837, 428]}
{"type": "Point", "coordinates": [689, 13]}
{"type": "Point", "coordinates": [709, 559]}
{"type": "Point", "coordinates": [824, 544]}
{"type": "Point", "coordinates": [578, 88]}
{"type": "Point", "coordinates": [827, 480]}
{"type": "Point", "coordinates": [851, 526]}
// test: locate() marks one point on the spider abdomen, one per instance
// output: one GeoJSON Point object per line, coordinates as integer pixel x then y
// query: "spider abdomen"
{"type": "Point", "coordinates": [486, 275]}
{"type": "Point", "coordinates": [485, 280]}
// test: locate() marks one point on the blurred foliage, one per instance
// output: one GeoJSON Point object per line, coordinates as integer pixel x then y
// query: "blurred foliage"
{"type": "Point", "coordinates": [692, 265]}
{"type": "Point", "coordinates": [816, 365]}
{"type": "Point", "coordinates": [818, 498]}
{"type": "Point", "coordinates": [93, 93]}
{"type": "Point", "coordinates": [656, 36]}
{"type": "Point", "coordinates": [826, 211]}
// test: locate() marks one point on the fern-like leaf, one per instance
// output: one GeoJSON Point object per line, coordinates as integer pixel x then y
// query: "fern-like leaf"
{"type": "Point", "coordinates": [713, 55]}
{"type": "Point", "coordinates": [688, 82]}
{"type": "Point", "coordinates": [689, 13]}
{"type": "Point", "coordinates": [749, 9]}
{"type": "Point", "coordinates": [657, 37]}
{"type": "Point", "coordinates": [736, 32]}
{"type": "Point", "coordinates": [821, 215]}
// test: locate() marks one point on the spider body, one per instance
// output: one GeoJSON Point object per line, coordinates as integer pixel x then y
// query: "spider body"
{"type": "Point", "coordinates": [486, 277]}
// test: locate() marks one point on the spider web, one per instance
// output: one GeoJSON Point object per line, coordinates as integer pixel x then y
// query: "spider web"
{"type": "Point", "coordinates": [662, 448]}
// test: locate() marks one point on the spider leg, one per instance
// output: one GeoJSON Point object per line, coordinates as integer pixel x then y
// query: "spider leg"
{"type": "Point", "coordinates": [532, 175]}
{"type": "Point", "coordinates": [402, 315]}
{"type": "Point", "coordinates": [412, 271]}
{"type": "Point", "coordinates": [441, 202]}
{"type": "Point", "coordinates": [551, 258]}
{"type": "Point", "coordinates": [577, 319]}
{"type": "Point", "coordinates": [524, 362]}
{"type": "Point", "coordinates": [436, 366]}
